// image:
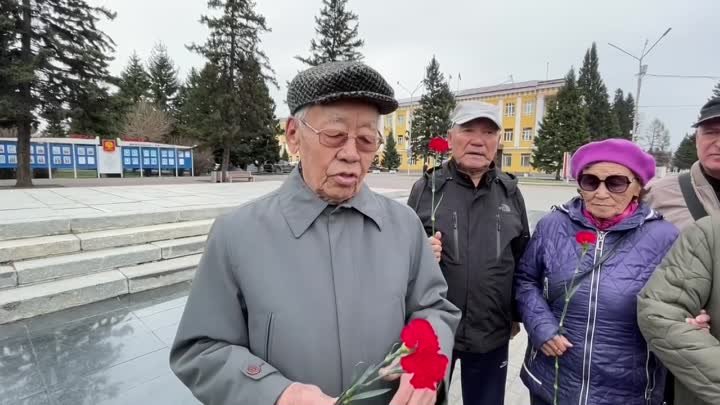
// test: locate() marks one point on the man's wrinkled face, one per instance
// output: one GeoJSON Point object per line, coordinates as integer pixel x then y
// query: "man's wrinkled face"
{"type": "Point", "coordinates": [708, 146]}
{"type": "Point", "coordinates": [335, 169]}
{"type": "Point", "coordinates": [474, 144]}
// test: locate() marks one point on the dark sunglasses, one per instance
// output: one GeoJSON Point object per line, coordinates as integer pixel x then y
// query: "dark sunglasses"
{"type": "Point", "coordinates": [615, 184]}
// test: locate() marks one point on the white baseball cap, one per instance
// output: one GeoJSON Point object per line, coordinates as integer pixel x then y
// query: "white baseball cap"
{"type": "Point", "coordinates": [472, 110]}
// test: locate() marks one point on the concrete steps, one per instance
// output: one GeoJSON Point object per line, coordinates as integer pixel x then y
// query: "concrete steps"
{"type": "Point", "coordinates": [159, 274]}
{"type": "Point", "coordinates": [20, 249]}
{"type": "Point", "coordinates": [78, 264]}
{"type": "Point", "coordinates": [132, 236]}
{"type": "Point", "coordinates": [85, 260]}
{"type": "Point", "coordinates": [13, 229]}
{"type": "Point", "coordinates": [42, 298]}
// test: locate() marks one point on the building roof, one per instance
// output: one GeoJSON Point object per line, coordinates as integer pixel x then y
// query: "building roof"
{"type": "Point", "coordinates": [499, 89]}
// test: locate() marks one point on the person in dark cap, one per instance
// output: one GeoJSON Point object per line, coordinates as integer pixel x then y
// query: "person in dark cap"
{"type": "Point", "coordinates": [686, 198]}
{"type": "Point", "coordinates": [297, 289]}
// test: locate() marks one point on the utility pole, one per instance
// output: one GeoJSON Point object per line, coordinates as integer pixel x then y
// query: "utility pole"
{"type": "Point", "coordinates": [409, 123]}
{"type": "Point", "coordinates": [642, 71]}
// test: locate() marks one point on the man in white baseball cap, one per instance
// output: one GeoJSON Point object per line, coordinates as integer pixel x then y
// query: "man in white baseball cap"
{"type": "Point", "coordinates": [482, 233]}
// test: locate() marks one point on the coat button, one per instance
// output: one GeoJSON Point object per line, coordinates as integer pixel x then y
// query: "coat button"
{"type": "Point", "coordinates": [254, 370]}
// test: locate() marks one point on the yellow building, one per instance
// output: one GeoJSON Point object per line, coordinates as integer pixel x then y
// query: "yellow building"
{"type": "Point", "coordinates": [522, 106]}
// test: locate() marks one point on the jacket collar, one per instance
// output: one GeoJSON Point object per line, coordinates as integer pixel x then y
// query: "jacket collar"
{"type": "Point", "coordinates": [301, 206]}
{"type": "Point", "coordinates": [644, 213]}
{"type": "Point", "coordinates": [705, 191]}
{"type": "Point", "coordinates": [449, 171]}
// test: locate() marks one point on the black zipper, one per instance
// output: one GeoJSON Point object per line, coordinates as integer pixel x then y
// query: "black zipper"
{"type": "Point", "coordinates": [499, 228]}
{"type": "Point", "coordinates": [456, 237]}
{"type": "Point", "coordinates": [268, 336]}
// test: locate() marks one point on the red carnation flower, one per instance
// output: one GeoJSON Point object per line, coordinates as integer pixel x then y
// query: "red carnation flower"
{"type": "Point", "coordinates": [419, 335]}
{"type": "Point", "coordinates": [428, 368]}
{"type": "Point", "coordinates": [439, 145]}
{"type": "Point", "coordinates": [586, 238]}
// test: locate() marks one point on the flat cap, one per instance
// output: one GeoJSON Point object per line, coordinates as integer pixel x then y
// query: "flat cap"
{"type": "Point", "coordinates": [710, 111]}
{"type": "Point", "coordinates": [336, 81]}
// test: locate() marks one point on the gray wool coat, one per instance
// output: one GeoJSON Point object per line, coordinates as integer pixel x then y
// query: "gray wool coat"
{"type": "Point", "coordinates": [293, 289]}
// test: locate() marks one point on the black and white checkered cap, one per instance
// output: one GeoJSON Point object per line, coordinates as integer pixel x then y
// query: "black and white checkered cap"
{"type": "Point", "coordinates": [336, 81]}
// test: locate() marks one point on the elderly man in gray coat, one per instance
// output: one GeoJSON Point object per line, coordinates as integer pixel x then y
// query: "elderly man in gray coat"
{"type": "Point", "coordinates": [298, 288]}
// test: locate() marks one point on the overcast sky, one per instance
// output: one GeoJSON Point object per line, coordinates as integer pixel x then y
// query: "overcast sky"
{"type": "Point", "coordinates": [484, 41]}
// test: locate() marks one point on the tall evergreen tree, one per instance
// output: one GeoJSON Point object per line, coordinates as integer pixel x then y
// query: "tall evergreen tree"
{"type": "Point", "coordinates": [716, 91]}
{"type": "Point", "coordinates": [600, 122]}
{"type": "Point", "coordinates": [56, 119]}
{"type": "Point", "coordinates": [432, 118]}
{"type": "Point", "coordinates": [50, 50]}
{"type": "Point", "coordinates": [92, 111]}
{"type": "Point", "coordinates": [563, 128]}
{"type": "Point", "coordinates": [686, 153]}
{"type": "Point", "coordinates": [623, 108]}
{"type": "Point", "coordinates": [134, 81]}
{"type": "Point", "coordinates": [242, 104]}
{"type": "Point", "coordinates": [163, 76]}
{"type": "Point", "coordinates": [337, 35]}
{"type": "Point", "coordinates": [391, 157]}
{"type": "Point", "coordinates": [233, 47]}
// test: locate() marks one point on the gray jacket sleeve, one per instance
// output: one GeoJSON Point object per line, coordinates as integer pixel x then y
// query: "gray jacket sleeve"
{"type": "Point", "coordinates": [210, 354]}
{"type": "Point", "coordinates": [679, 289]}
{"type": "Point", "coordinates": [426, 296]}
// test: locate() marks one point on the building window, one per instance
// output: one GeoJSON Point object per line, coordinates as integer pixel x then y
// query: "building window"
{"type": "Point", "coordinates": [529, 108]}
{"type": "Point", "coordinates": [400, 140]}
{"type": "Point", "coordinates": [401, 120]}
{"type": "Point", "coordinates": [412, 160]}
{"type": "Point", "coordinates": [525, 160]}
{"type": "Point", "coordinates": [507, 160]}
{"type": "Point", "coordinates": [508, 135]}
{"type": "Point", "coordinates": [527, 134]}
{"type": "Point", "coordinates": [510, 109]}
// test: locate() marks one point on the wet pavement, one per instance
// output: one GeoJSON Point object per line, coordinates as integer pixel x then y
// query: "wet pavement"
{"type": "Point", "coordinates": [110, 353]}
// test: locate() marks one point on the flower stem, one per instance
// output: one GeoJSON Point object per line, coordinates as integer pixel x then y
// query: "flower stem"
{"type": "Point", "coordinates": [432, 201]}
{"type": "Point", "coordinates": [568, 296]}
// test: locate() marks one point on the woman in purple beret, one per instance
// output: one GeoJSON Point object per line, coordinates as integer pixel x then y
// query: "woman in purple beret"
{"type": "Point", "coordinates": [577, 283]}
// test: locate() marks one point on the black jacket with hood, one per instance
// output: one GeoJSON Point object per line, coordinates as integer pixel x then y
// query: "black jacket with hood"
{"type": "Point", "coordinates": [484, 233]}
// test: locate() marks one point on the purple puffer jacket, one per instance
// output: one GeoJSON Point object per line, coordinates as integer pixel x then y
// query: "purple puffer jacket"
{"type": "Point", "coordinates": [609, 362]}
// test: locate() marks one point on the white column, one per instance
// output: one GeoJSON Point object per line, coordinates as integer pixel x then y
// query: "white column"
{"type": "Point", "coordinates": [539, 110]}
{"type": "Point", "coordinates": [49, 159]}
{"type": "Point", "coordinates": [74, 157]}
{"type": "Point", "coordinates": [140, 152]}
{"type": "Point", "coordinates": [518, 121]}
{"type": "Point", "coordinates": [501, 106]}
{"type": "Point", "coordinates": [159, 158]}
{"type": "Point", "coordinates": [394, 119]}
{"type": "Point", "coordinates": [192, 163]}
{"type": "Point", "coordinates": [176, 162]}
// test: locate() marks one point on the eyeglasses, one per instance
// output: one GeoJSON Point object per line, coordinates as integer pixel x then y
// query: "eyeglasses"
{"type": "Point", "coordinates": [335, 138]}
{"type": "Point", "coordinates": [615, 184]}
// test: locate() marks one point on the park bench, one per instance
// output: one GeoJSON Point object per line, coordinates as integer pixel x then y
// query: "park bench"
{"type": "Point", "coordinates": [240, 175]}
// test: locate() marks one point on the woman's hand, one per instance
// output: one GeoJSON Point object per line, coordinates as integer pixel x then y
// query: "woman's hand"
{"type": "Point", "coordinates": [701, 321]}
{"type": "Point", "coordinates": [556, 346]}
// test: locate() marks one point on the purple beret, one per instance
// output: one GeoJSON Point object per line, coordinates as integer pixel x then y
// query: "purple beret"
{"type": "Point", "coordinates": [620, 151]}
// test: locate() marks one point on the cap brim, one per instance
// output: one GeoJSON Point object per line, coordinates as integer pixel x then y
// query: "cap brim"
{"type": "Point", "coordinates": [712, 117]}
{"type": "Point", "coordinates": [468, 118]}
{"type": "Point", "coordinates": [384, 104]}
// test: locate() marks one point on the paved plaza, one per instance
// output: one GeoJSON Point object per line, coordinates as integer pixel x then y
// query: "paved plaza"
{"type": "Point", "coordinates": [116, 351]}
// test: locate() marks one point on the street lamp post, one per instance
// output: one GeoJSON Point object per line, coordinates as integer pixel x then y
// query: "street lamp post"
{"type": "Point", "coordinates": [642, 70]}
{"type": "Point", "coordinates": [410, 113]}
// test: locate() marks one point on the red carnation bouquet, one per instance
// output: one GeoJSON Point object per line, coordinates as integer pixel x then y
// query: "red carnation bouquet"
{"type": "Point", "coordinates": [418, 354]}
